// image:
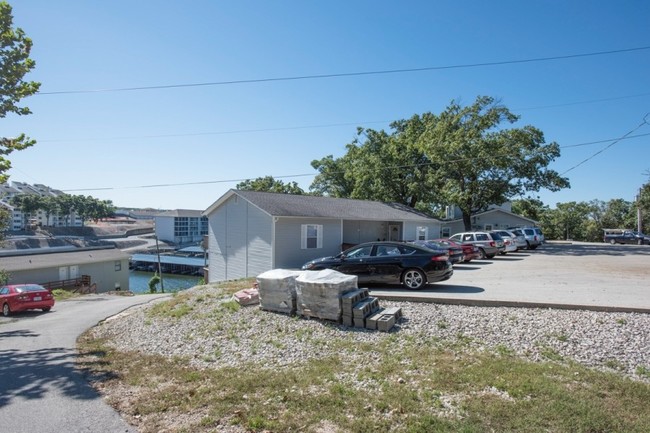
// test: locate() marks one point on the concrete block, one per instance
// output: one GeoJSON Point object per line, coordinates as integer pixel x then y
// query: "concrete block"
{"type": "Point", "coordinates": [365, 307]}
{"type": "Point", "coordinates": [395, 311]}
{"type": "Point", "coordinates": [359, 322]}
{"type": "Point", "coordinates": [385, 323]}
{"type": "Point", "coordinates": [371, 321]}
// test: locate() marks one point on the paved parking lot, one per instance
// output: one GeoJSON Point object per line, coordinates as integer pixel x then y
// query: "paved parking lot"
{"type": "Point", "coordinates": [568, 275]}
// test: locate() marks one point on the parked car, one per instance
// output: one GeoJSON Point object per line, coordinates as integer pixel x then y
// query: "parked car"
{"type": "Point", "coordinates": [532, 235]}
{"type": "Point", "coordinates": [500, 242]}
{"type": "Point", "coordinates": [389, 263]}
{"type": "Point", "coordinates": [454, 250]}
{"type": "Point", "coordinates": [512, 242]}
{"type": "Point", "coordinates": [487, 246]}
{"type": "Point", "coordinates": [470, 251]}
{"type": "Point", "coordinates": [22, 297]}
{"type": "Point", "coordinates": [520, 239]}
{"type": "Point", "coordinates": [626, 237]}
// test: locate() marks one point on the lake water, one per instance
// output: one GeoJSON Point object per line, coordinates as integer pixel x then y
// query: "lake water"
{"type": "Point", "coordinates": [139, 282]}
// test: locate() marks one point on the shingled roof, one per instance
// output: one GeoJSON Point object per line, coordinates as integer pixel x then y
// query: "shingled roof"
{"type": "Point", "coordinates": [292, 205]}
{"type": "Point", "coordinates": [22, 262]}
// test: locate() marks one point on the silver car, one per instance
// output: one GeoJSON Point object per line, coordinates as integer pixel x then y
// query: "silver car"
{"type": "Point", "coordinates": [488, 247]}
{"type": "Point", "coordinates": [517, 239]}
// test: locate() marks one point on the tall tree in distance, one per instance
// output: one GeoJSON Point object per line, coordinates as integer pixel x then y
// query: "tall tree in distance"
{"type": "Point", "coordinates": [269, 184]}
{"type": "Point", "coordinates": [15, 63]}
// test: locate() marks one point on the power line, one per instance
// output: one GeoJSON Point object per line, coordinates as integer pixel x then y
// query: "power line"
{"type": "Point", "coordinates": [348, 74]}
{"type": "Point", "coordinates": [644, 122]}
{"type": "Point", "coordinates": [209, 182]}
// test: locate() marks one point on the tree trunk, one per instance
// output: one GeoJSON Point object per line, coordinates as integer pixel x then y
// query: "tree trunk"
{"type": "Point", "coordinates": [467, 221]}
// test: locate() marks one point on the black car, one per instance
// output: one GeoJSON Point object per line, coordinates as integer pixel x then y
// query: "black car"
{"type": "Point", "coordinates": [389, 263]}
{"type": "Point", "coordinates": [453, 249]}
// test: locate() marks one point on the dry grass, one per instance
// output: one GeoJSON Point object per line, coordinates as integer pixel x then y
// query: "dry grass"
{"type": "Point", "coordinates": [432, 387]}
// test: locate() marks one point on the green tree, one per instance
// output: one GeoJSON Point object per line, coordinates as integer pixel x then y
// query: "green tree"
{"type": "Point", "coordinates": [15, 63]}
{"type": "Point", "coordinates": [28, 204]}
{"type": "Point", "coordinates": [463, 157]}
{"type": "Point", "coordinates": [269, 184]}
{"type": "Point", "coordinates": [530, 208]}
{"type": "Point", "coordinates": [484, 162]}
{"type": "Point", "coordinates": [643, 204]}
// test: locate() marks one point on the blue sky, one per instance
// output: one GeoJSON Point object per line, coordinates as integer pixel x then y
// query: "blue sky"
{"type": "Point", "coordinates": [202, 140]}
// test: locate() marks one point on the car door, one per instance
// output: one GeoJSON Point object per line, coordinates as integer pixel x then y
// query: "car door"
{"type": "Point", "coordinates": [356, 262]}
{"type": "Point", "coordinates": [385, 265]}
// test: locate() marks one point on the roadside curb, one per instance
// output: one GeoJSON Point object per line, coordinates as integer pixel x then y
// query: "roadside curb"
{"type": "Point", "coordinates": [510, 304]}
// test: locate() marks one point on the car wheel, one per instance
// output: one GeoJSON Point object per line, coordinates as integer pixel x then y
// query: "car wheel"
{"type": "Point", "coordinates": [612, 241]}
{"type": "Point", "coordinates": [482, 254]}
{"type": "Point", "coordinates": [46, 309]}
{"type": "Point", "coordinates": [534, 247]}
{"type": "Point", "coordinates": [5, 310]}
{"type": "Point", "coordinates": [639, 242]}
{"type": "Point", "coordinates": [414, 279]}
{"type": "Point", "coordinates": [490, 256]}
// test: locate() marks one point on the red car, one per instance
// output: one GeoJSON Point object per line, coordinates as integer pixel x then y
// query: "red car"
{"type": "Point", "coordinates": [470, 251]}
{"type": "Point", "coordinates": [21, 297]}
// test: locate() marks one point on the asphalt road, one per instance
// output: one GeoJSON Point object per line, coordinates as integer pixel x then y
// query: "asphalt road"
{"type": "Point", "coordinates": [592, 276]}
{"type": "Point", "coordinates": [40, 390]}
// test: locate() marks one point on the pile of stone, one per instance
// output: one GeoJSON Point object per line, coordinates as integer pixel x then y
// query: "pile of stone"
{"type": "Point", "coordinates": [319, 293]}
{"type": "Point", "coordinates": [326, 294]}
{"type": "Point", "coordinates": [277, 290]}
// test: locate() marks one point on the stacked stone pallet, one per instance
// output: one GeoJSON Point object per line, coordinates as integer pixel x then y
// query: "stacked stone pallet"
{"type": "Point", "coordinates": [326, 294]}
{"type": "Point", "coordinates": [319, 293]}
{"type": "Point", "coordinates": [277, 290]}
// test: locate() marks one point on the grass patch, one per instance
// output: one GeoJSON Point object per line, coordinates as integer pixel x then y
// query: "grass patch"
{"type": "Point", "coordinates": [423, 388]}
{"type": "Point", "coordinates": [62, 294]}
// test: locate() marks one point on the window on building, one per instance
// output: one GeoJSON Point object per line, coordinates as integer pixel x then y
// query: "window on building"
{"type": "Point", "coordinates": [312, 236]}
{"type": "Point", "coordinates": [446, 232]}
{"type": "Point", "coordinates": [422, 233]}
{"type": "Point", "coordinates": [488, 227]}
{"type": "Point", "coordinates": [118, 265]}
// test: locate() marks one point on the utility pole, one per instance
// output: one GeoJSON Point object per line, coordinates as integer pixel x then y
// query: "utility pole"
{"type": "Point", "coordinates": [162, 287]}
{"type": "Point", "coordinates": [639, 219]}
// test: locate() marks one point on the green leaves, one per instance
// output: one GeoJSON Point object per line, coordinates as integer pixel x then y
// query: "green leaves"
{"type": "Point", "coordinates": [463, 156]}
{"type": "Point", "coordinates": [15, 63]}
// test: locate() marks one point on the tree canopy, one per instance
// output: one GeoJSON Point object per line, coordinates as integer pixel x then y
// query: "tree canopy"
{"type": "Point", "coordinates": [15, 63]}
{"type": "Point", "coordinates": [269, 184]}
{"type": "Point", "coordinates": [464, 156]}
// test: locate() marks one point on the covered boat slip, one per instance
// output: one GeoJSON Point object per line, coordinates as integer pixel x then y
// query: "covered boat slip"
{"type": "Point", "coordinates": [168, 264]}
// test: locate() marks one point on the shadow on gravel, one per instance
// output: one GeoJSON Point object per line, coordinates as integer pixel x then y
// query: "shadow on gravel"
{"type": "Point", "coordinates": [30, 375]}
{"type": "Point", "coordinates": [569, 249]}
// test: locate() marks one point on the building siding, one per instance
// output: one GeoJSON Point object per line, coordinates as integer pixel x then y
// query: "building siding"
{"type": "Point", "coordinates": [104, 274]}
{"type": "Point", "coordinates": [217, 244]}
{"type": "Point", "coordinates": [288, 251]}
{"type": "Point", "coordinates": [356, 232]}
{"type": "Point", "coordinates": [259, 232]}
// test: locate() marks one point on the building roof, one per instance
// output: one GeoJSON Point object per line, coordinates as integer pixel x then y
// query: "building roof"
{"type": "Point", "coordinates": [24, 262]}
{"type": "Point", "coordinates": [292, 205]}
{"type": "Point", "coordinates": [181, 213]}
{"type": "Point", "coordinates": [497, 210]}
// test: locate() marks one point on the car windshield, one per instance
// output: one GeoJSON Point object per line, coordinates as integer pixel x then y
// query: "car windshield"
{"type": "Point", "coordinates": [22, 289]}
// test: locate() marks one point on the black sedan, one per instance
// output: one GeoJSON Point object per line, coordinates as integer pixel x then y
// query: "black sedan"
{"type": "Point", "coordinates": [389, 263]}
